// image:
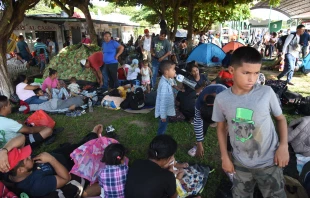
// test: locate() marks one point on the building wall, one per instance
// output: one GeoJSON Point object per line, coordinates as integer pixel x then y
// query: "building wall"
{"type": "Point", "coordinates": [29, 26]}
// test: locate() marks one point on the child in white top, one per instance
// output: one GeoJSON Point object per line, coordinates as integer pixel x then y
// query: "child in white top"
{"type": "Point", "coordinates": [146, 73]}
{"type": "Point", "coordinates": [133, 70]}
{"type": "Point", "coordinates": [74, 87]}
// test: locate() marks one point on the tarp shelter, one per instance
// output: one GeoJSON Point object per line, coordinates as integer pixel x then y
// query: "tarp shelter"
{"type": "Point", "coordinates": [67, 63]}
{"type": "Point", "coordinates": [306, 64]}
{"type": "Point", "coordinates": [204, 53]}
{"type": "Point", "coordinates": [275, 26]}
{"type": "Point", "coordinates": [181, 33]}
{"type": "Point", "coordinates": [233, 45]}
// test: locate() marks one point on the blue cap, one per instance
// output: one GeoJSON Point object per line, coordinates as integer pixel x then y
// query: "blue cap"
{"type": "Point", "coordinates": [135, 62]}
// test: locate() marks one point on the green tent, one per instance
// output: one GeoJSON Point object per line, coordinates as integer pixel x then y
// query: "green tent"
{"type": "Point", "coordinates": [275, 26]}
{"type": "Point", "coordinates": [67, 63]}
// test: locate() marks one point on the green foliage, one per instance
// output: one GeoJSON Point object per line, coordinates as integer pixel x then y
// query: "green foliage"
{"type": "Point", "coordinates": [44, 6]}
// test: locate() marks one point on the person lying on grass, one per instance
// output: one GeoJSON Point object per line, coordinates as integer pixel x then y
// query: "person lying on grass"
{"type": "Point", "coordinates": [45, 173]}
{"type": "Point", "coordinates": [10, 128]}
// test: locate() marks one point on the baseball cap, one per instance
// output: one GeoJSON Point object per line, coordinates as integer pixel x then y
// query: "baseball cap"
{"type": "Point", "coordinates": [16, 155]}
{"type": "Point", "coordinates": [135, 62]}
{"type": "Point", "coordinates": [146, 31]}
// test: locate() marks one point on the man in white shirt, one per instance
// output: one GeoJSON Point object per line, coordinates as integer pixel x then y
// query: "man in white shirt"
{"type": "Point", "coordinates": [145, 45]}
{"type": "Point", "coordinates": [51, 47]}
{"type": "Point", "coordinates": [291, 50]}
{"type": "Point", "coordinates": [216, 41]}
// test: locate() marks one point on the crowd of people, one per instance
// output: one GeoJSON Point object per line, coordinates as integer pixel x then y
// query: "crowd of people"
{"type": "Point", "coordinates": [252, 148]}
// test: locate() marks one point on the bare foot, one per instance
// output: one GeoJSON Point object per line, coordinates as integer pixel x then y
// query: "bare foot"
{"type": "Point", "coordinates": [72, 108]}
{"type": "Point", "coordinates": [98, 129]}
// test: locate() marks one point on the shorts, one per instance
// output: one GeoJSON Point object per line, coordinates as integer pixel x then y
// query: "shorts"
{"type": "Point", "coordinates": [146, 82]}
{"type": "Point", "coordinates": [270, 181]}
{"type": "Point", "coordinates": [33, 139]}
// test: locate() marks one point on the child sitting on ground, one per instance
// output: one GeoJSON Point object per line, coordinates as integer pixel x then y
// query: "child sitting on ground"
{"type": "Point", "coordinates": [225, 77]}
{"type": "Point", "coordinates": [146, 73]}
{"type": "Point", "coordinates": [133, 71]}
{"type": "Point", "coordinates": [178, 170]}
{"type": "Point", "coordinates": [112, 178]}
{"type": "Point", "coordinates": [39, 92]}
{"type": "Point", "coordinates": [74, 87]}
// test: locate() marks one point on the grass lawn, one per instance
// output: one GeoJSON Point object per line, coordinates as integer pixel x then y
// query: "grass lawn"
{"type": "Point", "coordinates": [137, 130]}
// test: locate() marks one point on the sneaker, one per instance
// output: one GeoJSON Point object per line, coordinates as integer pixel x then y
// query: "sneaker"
{"type": "Point", "coordinates": [192, 151]}
{"type": "Point", "coordinates": [290, 83]}
{"type": "Point", "coordinates": [71, 114]}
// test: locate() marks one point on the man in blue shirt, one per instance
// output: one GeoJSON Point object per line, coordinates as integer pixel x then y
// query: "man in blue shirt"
{"type": "Point", "coordinates": [23, 48]}
{"type": "Point", "coordinates": [111, 51]}
{"type": "Point", "coordinates": [304, 41]}
{"type": "Point", "coordinates": [39, 45]}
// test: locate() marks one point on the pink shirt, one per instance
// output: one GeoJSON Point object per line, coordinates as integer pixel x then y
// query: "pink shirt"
{"type": "Point", "coordinates": [49, 82]}
{"type": "Point", "coordinates": [23, 93]}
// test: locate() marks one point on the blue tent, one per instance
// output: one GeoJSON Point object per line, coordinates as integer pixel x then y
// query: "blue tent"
{"type": "Point", "coordinates": [306, 64]}
{"type": "Point", "coordinates": [204, 53]}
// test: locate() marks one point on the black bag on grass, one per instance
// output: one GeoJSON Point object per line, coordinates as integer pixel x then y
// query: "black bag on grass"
{"type": "Point", "coordinates": [134, 100]}
{"type": "Point", "coordinates": [278, 86]}
{"type": "Point", "coordinates": [303, 106]}
{"type": "Point", "coordinates": [290, 97]}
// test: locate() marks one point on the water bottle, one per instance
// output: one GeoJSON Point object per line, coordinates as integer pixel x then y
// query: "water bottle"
{"type": "Point", "coordinates": [90, 106]}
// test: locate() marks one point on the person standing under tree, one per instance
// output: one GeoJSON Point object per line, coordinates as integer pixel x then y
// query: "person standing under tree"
{"type": "Point", "coordinates": [145, 45]}
{"type": "Point", "coordinates": [111, 51]}
{"type": "Point", "coordinates": [160, 51]}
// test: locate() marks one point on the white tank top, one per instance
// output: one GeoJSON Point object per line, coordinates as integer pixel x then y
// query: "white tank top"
{"type": "Point", "coordinates": [145, 71]}
{"type": "Point", "coordinates": [147, 43]}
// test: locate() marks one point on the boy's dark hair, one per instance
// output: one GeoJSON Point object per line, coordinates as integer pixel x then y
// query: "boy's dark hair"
{"type": "Point", "coordinates": [163, 31]}
{"type": "Point", "coordinates": [21, 78]}
{"type": "Point", "coordinates": [115, 93]}
{"type": "Point", "coordinates": [162, 147]}
{"type": "Point", "coordinates": [113, 154]}
{"type": "Point", "coordinates": [165, 65]}
{"type": "Point", "coordinates": [145, 62]}
{"type": "Point", "coordinates": [20, 37]}
{"type": "Point", "coordinates": [83, 36]}
{"type": "Point", "coordinates": [39, 40]}
{"type": "Point", "coordinates": [206, 109]}
{"type": "Point", "coordinates": [52, 71]}
{"type": "Point", "coordinates": [245, 55]}
{"type": "Point", "coordinates": [36, 91]}
{"type": "Point", "coordinates": [41, 51]}
{"type": "Point", "coordinates": [13, 172]}
{"type": "Point", "coordinates": [122, 62]}
{"type": "Point", "coordinates": [3, 101]}
{"type": "Point", "coordinates": [300, 26]}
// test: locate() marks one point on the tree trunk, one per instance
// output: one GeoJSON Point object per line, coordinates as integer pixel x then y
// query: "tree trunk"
{"type": "Point", "coordinates": [190, 25]}
{"type": "Point", "coordinates": [90, 24]}
{"type": "Point", "coordinates": [175, 19]}
{"type": "Point", "coordinates": [5, 81]}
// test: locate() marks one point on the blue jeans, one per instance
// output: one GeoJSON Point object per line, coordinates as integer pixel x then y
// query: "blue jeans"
{"type": "Point", "coordinates": [34, 100]}
{"type": "Point", "coordinates": [271, 49]}
{"type": "Point", "coordinates": [162, 127]}
{"type": "Point", "coordinates": [289, 66]}
{"type": "Point", "coordinates": [105, 77]}
{"type": "Point", "coordinates": [155, 67]}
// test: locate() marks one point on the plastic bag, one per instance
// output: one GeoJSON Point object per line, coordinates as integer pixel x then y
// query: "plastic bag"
{"type": "Point", "coordinates": [40, 118]}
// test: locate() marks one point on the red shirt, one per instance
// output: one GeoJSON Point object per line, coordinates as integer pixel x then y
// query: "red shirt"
{"type": "Point", "coordinates": [96, 60]}
{"type": "Point", "coordinates": [86, 41]}
{"type": "Point", "coordinates": [226, 75]}
{"type": "Point", "coordinates": [121, 73]}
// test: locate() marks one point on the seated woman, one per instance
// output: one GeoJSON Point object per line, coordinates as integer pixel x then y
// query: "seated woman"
{"type": "Point", "coordinates": [151, 177]}
{"type": "Point", "coordinates": [201, 80]}
{"type": "Point", "coordinates": [51, 82]}
{"type": "Point", "coordinates": [25, 91]}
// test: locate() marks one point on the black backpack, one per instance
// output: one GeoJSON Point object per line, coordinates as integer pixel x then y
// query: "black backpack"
{"type": "Point", "coordinates": [303, 106]}
{"type": "Point", "coordinates": [137, 100]}
{"type": "Point", "coordinates": [281, 41]}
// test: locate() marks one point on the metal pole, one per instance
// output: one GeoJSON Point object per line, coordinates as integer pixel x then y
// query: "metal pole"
{"type": "Point", "coordinates": [220, 39]}
{"type": "Point", "coordinates": [269, 17]}
{"type": "Point", "coordinates": [239, 29]}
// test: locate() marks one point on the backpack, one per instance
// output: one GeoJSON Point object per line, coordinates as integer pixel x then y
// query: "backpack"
{"type": "Point", "coordinates": [137, 100]}
{"type": "Point", "coordinates": [281, 41]}
{"type": "Point", "coordinates": [303, 106]}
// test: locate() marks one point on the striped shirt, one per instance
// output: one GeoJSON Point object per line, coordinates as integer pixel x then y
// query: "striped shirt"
{"type": "Point", "coordinates": [165, 99]}
{"type": "Point", "coordinates": [198, 122]}
{"type": "Point", "coordinates": [112, 179]}
{"type": "Point", "coordinates": [37, 46]}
